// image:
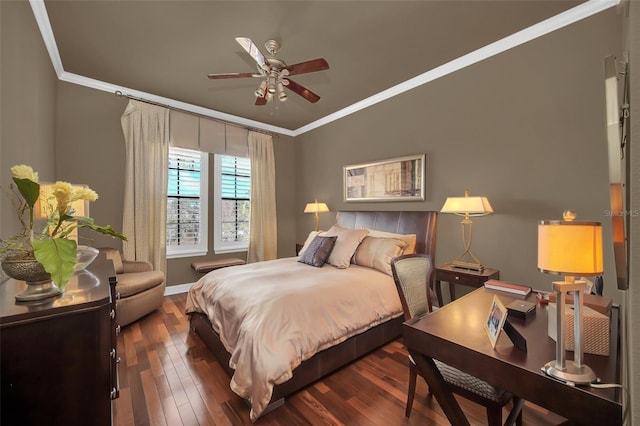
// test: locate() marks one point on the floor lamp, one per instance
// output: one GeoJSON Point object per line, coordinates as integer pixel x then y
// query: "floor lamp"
{"type": "Point", "coordinates": [570, 248]}
{"type": "Point", "coordinates": [467, 207]}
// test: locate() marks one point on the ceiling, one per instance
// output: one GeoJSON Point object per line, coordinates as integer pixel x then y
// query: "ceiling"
{"type": "Point", "coordinates": [167, 48]}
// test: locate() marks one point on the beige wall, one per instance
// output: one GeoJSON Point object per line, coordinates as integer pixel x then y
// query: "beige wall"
{"type": "Point", "coordinates": [525, 128]}
{"type": "Point", "coordinates": [27, 106]}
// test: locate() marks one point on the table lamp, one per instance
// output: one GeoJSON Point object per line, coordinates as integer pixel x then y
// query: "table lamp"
{"type": "Point", "coordinates": [316, 208]}
{"type": "Point", "coordinates": [467, 207]}
{"type": "Point", "coordinates": [570, 248]}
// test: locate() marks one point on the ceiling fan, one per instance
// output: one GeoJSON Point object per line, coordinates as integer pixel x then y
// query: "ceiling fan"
{"type": "Point", "coordinates": [275, 73]}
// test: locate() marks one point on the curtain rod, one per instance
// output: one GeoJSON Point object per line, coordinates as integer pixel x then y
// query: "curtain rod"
{"type": "Point", "coordinates": [119, 94]}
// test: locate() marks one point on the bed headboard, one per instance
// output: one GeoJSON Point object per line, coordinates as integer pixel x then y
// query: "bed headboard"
{"type": "Point", "coordinates": [423, 224]}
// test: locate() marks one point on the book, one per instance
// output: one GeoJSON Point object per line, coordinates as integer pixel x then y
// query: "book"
{"type": "Point", "coordinates": [508, 287]}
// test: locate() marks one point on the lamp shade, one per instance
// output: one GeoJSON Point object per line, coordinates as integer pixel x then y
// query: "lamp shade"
{"type": "Point", "coordinates": [472, 206]}
{"type": "Point", "coordinates": [570, 248]}
{"type": "Point", "coordinates": [316, 207]}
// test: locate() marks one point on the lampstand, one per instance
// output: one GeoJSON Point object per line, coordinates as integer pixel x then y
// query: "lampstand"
{"type": "Point", "coordinates": [466, 207]}
{"type": "Point", "coordinates": [570, 248]}
{"type": "Point", "coordinates": [316, 208]}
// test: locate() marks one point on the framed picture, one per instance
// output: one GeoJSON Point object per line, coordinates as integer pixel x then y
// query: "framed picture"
{"type": "Point", "coordinates": [495, 320]}
{"type": "Point", "coordinates": [396, 179]}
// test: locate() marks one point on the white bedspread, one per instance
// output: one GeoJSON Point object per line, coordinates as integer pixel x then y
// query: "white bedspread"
{"type": "Point", "coordinates": [273, 315]}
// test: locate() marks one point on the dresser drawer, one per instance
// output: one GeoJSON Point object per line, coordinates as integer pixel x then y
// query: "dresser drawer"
{"type": "Point", "coordinates": [453, 276]}
{"type": "Point", "coordinates": [466, 278]}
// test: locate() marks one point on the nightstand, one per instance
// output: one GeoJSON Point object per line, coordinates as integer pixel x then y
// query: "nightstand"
{"type": "Point", "coordinates": [460, 276]}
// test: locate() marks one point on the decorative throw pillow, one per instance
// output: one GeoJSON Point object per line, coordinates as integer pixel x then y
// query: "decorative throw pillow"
{"type": "Point", "coordinates": [409, 239]}
{"type": "Point", "coordinates": [346, 244]}
{"type": "Point", "coordinates": [377, 253]}
{"type": "Point", "coordinates": [318, 251]}
{"type": "Point", "coordinates": [310, 238]}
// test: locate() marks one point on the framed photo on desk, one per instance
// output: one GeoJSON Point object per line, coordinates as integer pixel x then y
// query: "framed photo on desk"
{"type": "Point", "coordinates": [495, 320]}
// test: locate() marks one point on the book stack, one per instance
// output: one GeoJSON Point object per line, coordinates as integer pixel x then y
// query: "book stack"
{"type": "Point", "coordinates": [522, 290]}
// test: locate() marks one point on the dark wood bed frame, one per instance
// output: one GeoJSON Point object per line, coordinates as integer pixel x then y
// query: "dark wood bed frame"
{"type": "Point", "coordinates": [421, 223]}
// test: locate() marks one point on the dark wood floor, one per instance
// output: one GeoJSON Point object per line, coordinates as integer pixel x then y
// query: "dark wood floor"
{"type": "Point", "coordinates": [168, 377]}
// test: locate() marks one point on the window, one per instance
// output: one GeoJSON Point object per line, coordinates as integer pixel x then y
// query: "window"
{"type": "Point", "coordinates": [232, 203]}
{"type": "Point", "coordinates": [187, 203]}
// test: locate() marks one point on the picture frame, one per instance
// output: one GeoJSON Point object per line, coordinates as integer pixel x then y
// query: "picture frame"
{"type": "Point", "coordinates": [395, 179]}
{"type": "Point", "coordinates": [496, 317]}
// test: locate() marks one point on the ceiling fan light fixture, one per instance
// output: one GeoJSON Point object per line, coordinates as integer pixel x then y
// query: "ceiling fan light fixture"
{"type": "Point", "coordinates": [271, 88]}
{"type": "Point", "coordinates": [260, 91]}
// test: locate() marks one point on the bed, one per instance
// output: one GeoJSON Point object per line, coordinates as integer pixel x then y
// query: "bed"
{"type": "Point", "coordinates": [247, 340]}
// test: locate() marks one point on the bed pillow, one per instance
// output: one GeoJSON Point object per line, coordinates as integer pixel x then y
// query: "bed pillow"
{"type": "Point", "coordinates": [409, 239]}
{"type": "Point", "coordinates": [346, 244]}
{"type": "Point", "coordinates": [318, 251]}
{"type": "Point", "coordinates": [377, 253]}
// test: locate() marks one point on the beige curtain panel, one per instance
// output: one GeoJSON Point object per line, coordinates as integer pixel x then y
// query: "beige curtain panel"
{"type": "Point", "coordinates": [146, 134]}
{"type": "Point", "coordinates": [263, 238]}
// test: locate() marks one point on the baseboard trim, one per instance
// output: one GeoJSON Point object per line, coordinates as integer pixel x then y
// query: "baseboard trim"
{"type": "Point", "coordinates": [177, 289]}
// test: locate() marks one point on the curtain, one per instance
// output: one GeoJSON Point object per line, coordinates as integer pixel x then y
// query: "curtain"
{"type": "Point", "coordinates": [263, 237]}
{"type": "Point", "coordinates": [146, 134]}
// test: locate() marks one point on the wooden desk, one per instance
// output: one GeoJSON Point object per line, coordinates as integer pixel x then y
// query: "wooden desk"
{"type": "Point", "coordinates": [459, 276]}
{"type": "Point", "coordinates": [454, 334]}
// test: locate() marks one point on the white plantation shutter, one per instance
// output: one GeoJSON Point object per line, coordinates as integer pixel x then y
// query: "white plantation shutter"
{"type": "Point", "coordinates": [232, 206]}
{"type": "Point", "coordinates": [186, 202]}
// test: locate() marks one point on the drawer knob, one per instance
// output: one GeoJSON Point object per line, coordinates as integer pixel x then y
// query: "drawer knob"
{"type": "Point", "coordinates": [457, 277]}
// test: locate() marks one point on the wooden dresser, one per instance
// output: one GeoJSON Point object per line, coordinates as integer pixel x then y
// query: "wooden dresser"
{"type": "Point", "coordinates": [58, 358]}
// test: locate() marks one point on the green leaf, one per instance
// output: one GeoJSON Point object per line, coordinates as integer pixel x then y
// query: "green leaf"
{"type": "Point", "coordinates": [87, 222]}
{"type": "Point", "coordinates": [58, 257]}
{"type": "Point", "coordinates": [29, 189]}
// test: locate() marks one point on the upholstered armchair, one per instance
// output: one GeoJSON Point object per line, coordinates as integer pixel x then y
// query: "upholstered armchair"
{"type": "Point", "coordinates": [139, 290]}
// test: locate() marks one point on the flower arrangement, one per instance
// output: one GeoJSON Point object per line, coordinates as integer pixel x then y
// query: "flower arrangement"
{"type": "Point", "coordinates": [50, 246]}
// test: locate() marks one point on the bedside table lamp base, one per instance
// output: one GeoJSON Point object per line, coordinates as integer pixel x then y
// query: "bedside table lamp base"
{"type": "Point", "coordinates": [467, 266]}
{"type": "Point", "coordinates": [459, 263]}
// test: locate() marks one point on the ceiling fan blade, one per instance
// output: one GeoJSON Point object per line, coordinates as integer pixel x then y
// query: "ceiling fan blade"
{"type": "Point", "coordinates": [313, 65]}
{"type": "Point", "coordinates": [233, 75]}
{"type": "Point", "coordinates": [261, 101]}
{"type": "Point", "coordinates": [254, 52]}
{"type": "Point", "coordinates": [302, 91]}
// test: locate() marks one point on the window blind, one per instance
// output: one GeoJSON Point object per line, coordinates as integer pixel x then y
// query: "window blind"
{"type": "Point", "coordinates": [183, 199]}
{"type": "Point", "coordinates": [235, 195]}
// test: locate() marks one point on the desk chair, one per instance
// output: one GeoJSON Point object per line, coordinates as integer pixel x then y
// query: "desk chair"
{"type": "Point", "coordinates": [412, 273]}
